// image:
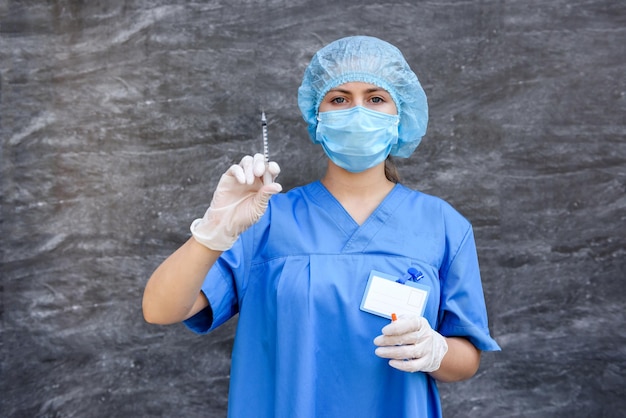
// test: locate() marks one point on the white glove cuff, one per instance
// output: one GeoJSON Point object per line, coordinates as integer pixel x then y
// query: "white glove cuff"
{"type": "Point", "coordinates": [440, 348]}
{"type": "Point", "coordinates": [212, 238]}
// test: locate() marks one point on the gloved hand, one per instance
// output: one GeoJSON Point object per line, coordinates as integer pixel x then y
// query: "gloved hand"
{"type": "Point", "coordinates": [412, 345]}
{"type": "Point", "coordinates": [239, 201]}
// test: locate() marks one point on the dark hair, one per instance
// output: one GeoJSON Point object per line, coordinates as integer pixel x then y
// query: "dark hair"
{"type": "Point", "coordinates": [391, 171]}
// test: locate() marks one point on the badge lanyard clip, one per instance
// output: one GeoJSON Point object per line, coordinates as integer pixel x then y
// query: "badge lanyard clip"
{"type": "Point", "coordinates": [412, 274]}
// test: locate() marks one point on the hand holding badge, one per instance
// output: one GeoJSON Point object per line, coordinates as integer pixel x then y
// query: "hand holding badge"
{"type": "Point", "coordinates": [411, 345]}
{"type": "Point", "coordinates": [408, 341]}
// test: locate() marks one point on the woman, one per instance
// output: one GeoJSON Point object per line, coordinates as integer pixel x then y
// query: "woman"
{"type": "Point", "coordinates": [298, 268]}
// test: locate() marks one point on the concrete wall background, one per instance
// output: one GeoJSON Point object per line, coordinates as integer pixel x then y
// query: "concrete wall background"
{"type": "Point", "coordinates": [117, 118]}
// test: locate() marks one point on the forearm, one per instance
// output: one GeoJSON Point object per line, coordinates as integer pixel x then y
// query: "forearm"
{"type": "Point", "coordinates": [172, 292]}
{"type": "Point", "coordinates": [460, 362]}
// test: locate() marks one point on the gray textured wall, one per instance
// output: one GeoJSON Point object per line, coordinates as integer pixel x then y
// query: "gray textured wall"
{"type": "Point", "coordinates": [117, 118]}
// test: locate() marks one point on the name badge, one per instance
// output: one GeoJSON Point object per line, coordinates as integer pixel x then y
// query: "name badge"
{"type": "Point", "coordinates": [386, 294]}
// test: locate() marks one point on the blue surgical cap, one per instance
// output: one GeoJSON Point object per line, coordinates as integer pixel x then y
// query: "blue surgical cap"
{"type": "Point", "coordinates": [369, 60]}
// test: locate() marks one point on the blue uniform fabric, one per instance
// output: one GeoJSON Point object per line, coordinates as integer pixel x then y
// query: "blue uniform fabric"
{"type": "Point", "coordinates": [303, 347]}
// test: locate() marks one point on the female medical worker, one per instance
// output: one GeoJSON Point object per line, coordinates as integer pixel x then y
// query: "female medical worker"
{"type": "Point", "coordinates": [296, 266]}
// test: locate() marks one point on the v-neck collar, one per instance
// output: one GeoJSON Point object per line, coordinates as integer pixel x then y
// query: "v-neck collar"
{"type": "Point", "coordinates": [358, 235]}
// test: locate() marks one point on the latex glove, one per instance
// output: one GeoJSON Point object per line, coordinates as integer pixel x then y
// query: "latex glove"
{"type": "Point", "coordinates": [412, 345]}
{"type": "Point", "coordinates": [239, 201]}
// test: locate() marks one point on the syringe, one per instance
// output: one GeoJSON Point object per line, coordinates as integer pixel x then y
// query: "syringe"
{"type": "Point", "coordinates": [267, 177]}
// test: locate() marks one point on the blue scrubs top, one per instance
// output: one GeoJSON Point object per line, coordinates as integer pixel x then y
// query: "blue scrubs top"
{"type": "Point", "coordinates": [303, 347]}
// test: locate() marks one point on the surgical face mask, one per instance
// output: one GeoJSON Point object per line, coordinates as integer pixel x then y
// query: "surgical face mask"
{"type": "Point", "coordinates": [357, 138]}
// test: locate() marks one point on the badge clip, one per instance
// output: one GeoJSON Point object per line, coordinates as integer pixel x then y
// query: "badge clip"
{"type": "Point", "coordinates": [412, 274]}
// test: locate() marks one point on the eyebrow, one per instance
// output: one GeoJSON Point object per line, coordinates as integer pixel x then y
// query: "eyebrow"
{"type": "Point", "coordinates": [370, 90]}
